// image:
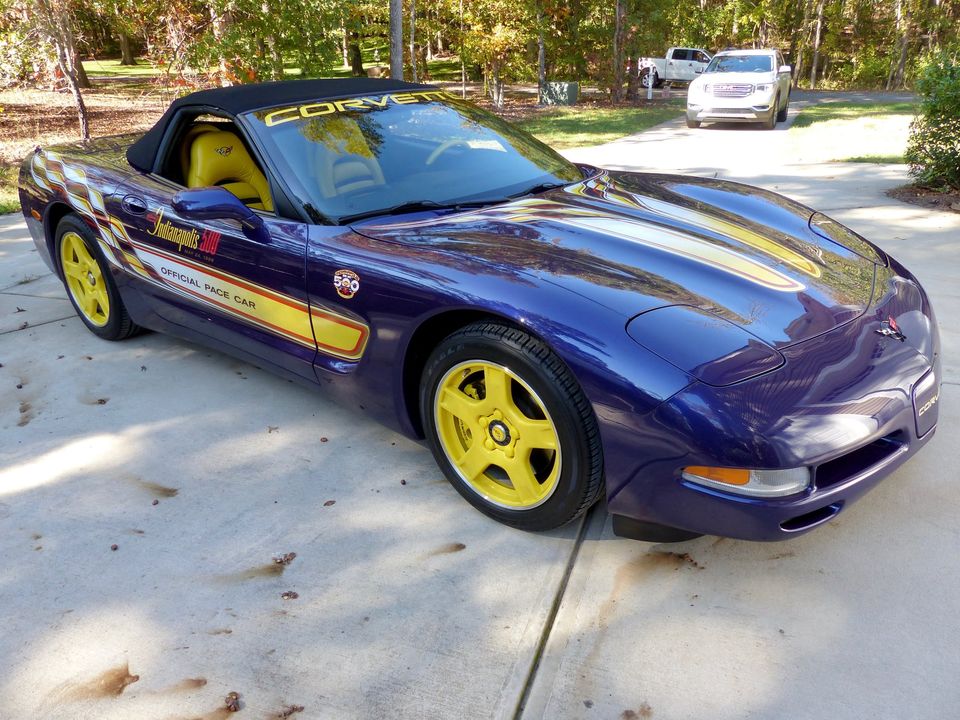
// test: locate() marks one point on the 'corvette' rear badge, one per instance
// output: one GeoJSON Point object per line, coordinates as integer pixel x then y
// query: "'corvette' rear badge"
{"type": "Point", "coordinates": [347, 283]}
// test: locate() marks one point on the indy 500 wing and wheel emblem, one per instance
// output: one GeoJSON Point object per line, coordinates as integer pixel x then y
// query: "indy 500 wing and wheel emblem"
{"type": "Point", "coordinates": [707, 356]}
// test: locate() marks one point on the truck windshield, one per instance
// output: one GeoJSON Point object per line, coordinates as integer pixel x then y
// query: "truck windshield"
{"type": "Point", "coordinates": [740, 63]}
{"type": "Point", "coordinates": [358, 156]}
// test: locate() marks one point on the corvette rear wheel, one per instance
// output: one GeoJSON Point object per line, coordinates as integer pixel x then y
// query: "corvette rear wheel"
{"type": "Point", "coordinates": [90, 287]}
{"type": "Point", "coordinates": [511, 428]}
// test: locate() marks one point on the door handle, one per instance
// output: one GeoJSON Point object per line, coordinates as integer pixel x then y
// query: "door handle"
{"type": "Point", "coordinates": [134, 205]}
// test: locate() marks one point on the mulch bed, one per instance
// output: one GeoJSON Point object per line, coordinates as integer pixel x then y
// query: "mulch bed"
{"type": "Point", "coordinates": [927, 198]}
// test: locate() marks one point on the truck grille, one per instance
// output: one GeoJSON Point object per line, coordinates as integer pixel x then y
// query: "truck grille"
{"type": "Point", "coordinates": [731, 90]}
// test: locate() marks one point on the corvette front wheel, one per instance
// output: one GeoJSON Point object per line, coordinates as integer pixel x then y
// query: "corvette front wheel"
{"type": "Point", "coordinates": [511, 428]}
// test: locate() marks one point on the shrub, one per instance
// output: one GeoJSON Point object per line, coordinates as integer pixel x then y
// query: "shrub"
{"type": "Point", "coordinates": [933, 149]}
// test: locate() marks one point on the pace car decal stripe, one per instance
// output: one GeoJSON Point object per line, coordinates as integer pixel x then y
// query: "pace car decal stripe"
{"type": "Point", "coordinates": [279, 314]}
{"type": "Point", "coordinates": [603, 187]}
{"type": "Point", "coordinates": [49, 169]}
{"type": "Point", "coordinates": [531, 210]}
{"type": "Point", "coordinates": [336, 335]}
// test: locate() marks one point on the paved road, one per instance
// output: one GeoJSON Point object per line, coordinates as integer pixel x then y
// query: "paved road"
{"type": "Point", "coordinates": [409, 603]}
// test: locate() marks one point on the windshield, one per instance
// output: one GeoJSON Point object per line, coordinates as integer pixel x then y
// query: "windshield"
{"type": "Point", "coordinates": [358, 156]}
{"type": "Point", "coordinates": [740, 63]}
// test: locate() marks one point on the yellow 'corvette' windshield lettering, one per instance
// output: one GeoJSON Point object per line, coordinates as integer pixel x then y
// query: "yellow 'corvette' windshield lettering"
{"type": "Point", "coordinates": [284, 115]}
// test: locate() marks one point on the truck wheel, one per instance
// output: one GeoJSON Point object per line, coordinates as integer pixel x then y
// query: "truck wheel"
{"type": "Point", "coordinates": [771, 122]}
{"type": "Point", "coordinates": [648, 78]}
{"type": "Point", "coordinates": [782, 114]}
{"type": "Point", "coordinates": [692, 123]}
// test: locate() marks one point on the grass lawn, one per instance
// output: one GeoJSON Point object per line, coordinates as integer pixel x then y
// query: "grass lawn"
{"type": "Point", "coordinates": [113, 69]}
{"type": "Point", "coordinates": [824, 112]}
{"type": "Point", "coordinates": [9, 202]}
{"type": "Point", "coordinates": [880, 159]}
{"type": "Point", "coordinates": [566, 127]}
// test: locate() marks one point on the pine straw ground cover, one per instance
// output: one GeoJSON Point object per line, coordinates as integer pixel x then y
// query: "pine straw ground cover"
{"type": "Point", "coordinates": [40, 117]}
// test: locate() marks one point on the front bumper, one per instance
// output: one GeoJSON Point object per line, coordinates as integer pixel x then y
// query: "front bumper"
{"type": "Point", "coordinates": [852, 404]}
{"type": "Point", "coordinates": [750, 114]}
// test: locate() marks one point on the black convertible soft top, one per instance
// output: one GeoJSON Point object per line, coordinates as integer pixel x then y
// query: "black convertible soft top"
{"type": "Point", "coordinates": [243, 98]}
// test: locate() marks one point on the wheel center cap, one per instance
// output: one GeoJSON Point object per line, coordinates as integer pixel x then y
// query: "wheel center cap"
{"type": "Point", "coordinates": [91, 279]}
{"type": "Point", "coordinates": [499, 433]}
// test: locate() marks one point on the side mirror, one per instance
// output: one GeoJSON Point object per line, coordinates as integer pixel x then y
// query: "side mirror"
{"type": "Point", "coordinates": [698, 70]}
{"type": "Point", "coordinates": [786, 69]}
{"type": "Point", "coordinates": [217, 203]}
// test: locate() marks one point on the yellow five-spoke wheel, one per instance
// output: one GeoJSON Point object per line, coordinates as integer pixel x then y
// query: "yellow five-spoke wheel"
{"type": "Point", "coordinates": [89, 285]}
{"type": "Point", "coordinates": [510, 427]}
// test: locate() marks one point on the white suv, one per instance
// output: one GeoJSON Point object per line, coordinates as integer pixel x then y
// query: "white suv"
{"type": "Point", "coordinates": [741, 86]}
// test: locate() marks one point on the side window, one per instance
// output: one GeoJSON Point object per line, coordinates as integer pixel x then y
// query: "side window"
{"type": "Point", "coordinates": [780, 62]}
{"type": "Point", "coordinates": [210, 151]}
{"type": "Point", "coordinates": [681, 54]}
{"type": "Point", "coordinates": [701, 57]}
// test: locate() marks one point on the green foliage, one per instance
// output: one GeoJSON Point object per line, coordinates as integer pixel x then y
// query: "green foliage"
{"type": "Point", "coordinates": [864, 70]}
{"type": "Point", "coordinates": [9, 198]}
{"type": "Point", "coordinates": [933, 150]}
{"type": "Point", "coordinates": [879, 159]}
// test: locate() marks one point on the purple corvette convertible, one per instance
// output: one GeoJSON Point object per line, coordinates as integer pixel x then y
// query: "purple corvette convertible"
{"type": "Point", "coordinates": [708, 356]}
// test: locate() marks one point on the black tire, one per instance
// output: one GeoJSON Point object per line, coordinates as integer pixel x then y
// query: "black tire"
{"type": "Point", "coordinates": [579, 479]}
{"type": "Point", "coordinates": [693, 124]}
{"type": "Point", "coordinates": [782, 112]}
{"type": "Point", "coordinates": [771, 122]}
{"type": "Point", "coordinates": [118, 325]}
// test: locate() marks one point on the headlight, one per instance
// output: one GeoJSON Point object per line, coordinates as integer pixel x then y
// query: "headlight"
{"type": "Point", "coordinates": [758, 483]}
{"type": "Point", "coordinates": [763, 88]}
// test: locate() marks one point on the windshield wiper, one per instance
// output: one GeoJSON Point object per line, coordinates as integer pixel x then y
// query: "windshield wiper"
{"type": "Point", "coordinates": [414, 206]}
{"type": "Point", "coordinates": [542, 187]}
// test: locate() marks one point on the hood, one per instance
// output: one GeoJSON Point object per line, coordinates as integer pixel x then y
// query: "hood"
{"type": "Point", "coordinates": [636, 242]}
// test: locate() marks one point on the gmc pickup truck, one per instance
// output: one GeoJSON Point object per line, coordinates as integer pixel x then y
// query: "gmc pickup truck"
{"type": "Point", "coordinates": [680, 65]}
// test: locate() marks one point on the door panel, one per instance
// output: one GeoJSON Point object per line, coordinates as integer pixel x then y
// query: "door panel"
{"type": "Point", "coordinates": [209, 277]}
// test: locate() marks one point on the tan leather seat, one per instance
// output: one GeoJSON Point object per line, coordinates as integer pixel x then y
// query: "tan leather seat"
{"type": "Point", "coordinates": [187, 143]}
{"type": "Point", "coordinates": [219, 158]}
{"type": "Point", "coordinates": [345, 174]}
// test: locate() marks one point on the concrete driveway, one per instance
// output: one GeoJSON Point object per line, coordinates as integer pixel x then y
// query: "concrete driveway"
{"type": "Point", "coordinates": [201, 470]}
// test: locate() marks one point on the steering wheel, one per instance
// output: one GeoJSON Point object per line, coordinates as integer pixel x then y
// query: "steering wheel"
{"type": "Point", "coordinates": [443, 147]}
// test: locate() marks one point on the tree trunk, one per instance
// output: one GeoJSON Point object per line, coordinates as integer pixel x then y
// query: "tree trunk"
{"type": "Point", "coordinates": [73, 55]}
{"type": "Point", "coordinates": [633, 78]}
{"type": "Point", "coordinates": [801, 50]}
{"type": "Point", "coordinates": [413, 45]}
{"type": "Point", "coordinates": [895, 77]}
{"type": "Point", "coordinates": [396, 39]}
{"type": "Point", "coordinates": [816, 45]}
{"type": "Point", "coordinates": [53, 23]}
{"type": "Point", "coordinates": [463, 60]}
{"type": "Point", "coordinates": [126, 50]}
{"type": "Point", "coordinates": [220, 25]}
{"type": "Point", "coordinates": [496, 87]}
{"type": "Point", "coordinates": [344, 41]}
{"type": "Point", "coordinates": [356, 60]}
{"type": "Point", "coordinates": [272, 46]}
{"type": "Point", "coordinates": [617, 89]}
{"type": "Point", "coordinates": [541, 58]}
